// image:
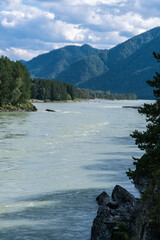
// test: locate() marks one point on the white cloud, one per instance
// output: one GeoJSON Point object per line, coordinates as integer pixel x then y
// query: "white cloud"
{"type": "Point", "coordinates": [102, 18]}
{"type": "Point", "coordinates": [72, 32]}
{"type": "Point", "coordinates": [6, 23]}
{"type": "Point", "coordinates": [2, 52]}
{"type": "Point", "coordinates": [86, 2]}
{"type": "Point", "coordinates": [62, 31]}
{"type": "Point", "coordinates": [105, 40]}
{"type": "Point", "coordinates": [15, 17]}
{"type": "Point", "coordinates": [9, 4]}
{"type": "Point", "coordinates": [114, 38]}
{"type": "Point", "coordinates": [24, 53]}
{"type": "Point", "coordinates": [17, 53]}
{"type": "Point", "coordinates": [28, 27]}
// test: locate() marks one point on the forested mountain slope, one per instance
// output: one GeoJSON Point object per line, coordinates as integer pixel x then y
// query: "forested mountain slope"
{"type": "Point", "coordinates": [49, 65]}
{"type": "Point", "coordinates": [124, 68]}
{"type": "Point", "coordinates": [130, 74]}
{"type": "Point", "coordinates": [85, 69]}
{"type": "Point", "coordinates": [129, 47]}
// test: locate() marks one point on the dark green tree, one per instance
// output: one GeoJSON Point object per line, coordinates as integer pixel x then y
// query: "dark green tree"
{"type": "Point", "coordinates": [45, 89]}
{"type": "Point", "coordinates": [147, 167]}
{"type": "Point", "coordinates": [33, 90]}
{"type": "Point", "coordinates": [14, 82]}
{"type": "Point", "coordinates": [149, 140]}
{"type": "Point", "coordinates": [4, 82]}
{"type": "Point", "coordinates": [24, 81]}
{"type": "Point", "coordinates": [71, 90]}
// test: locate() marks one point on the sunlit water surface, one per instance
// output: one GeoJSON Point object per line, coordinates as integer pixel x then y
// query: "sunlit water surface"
{"type": "Point", "coordinates": [53, 165]}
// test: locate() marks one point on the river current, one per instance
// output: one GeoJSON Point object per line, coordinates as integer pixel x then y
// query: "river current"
{"type": "Point", "coordinates": [54, 164]}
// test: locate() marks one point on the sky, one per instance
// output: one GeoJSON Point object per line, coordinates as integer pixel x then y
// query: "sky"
{"type": "Point", "coordinates": [32, 27]}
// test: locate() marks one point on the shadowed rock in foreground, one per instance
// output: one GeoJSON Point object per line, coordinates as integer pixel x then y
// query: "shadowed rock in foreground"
{"type": "Point", "coordinates": [121, 217]}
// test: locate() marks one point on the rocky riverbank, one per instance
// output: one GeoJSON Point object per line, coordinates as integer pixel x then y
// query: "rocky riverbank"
{"type": "Point", "coordinates": [25, 107]}
{"type": "Point", "coordinates": [123, 217]}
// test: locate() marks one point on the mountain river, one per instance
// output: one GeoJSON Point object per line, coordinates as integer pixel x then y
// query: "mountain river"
{"type": "Point", "coordinates": [54, 164]}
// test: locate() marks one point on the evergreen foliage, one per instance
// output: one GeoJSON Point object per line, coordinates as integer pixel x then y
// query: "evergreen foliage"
{"type": "Point", "coordinates": [148, 165]}
{"type": "Point", "coordinates": [83, 70]}
{"type": "Point", "coordinates": [90, 94]}
{"type": "Point", "coordinates": [14, 82]}
{"type": "Point", "coordinates": [16, 88]}
{"type": "Point", "coordinates": [44, 89]}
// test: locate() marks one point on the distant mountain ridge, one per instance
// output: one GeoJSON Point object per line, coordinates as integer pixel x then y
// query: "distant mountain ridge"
{"type": "Point", "coordinates": [131, 73]}
{"type": "Point", "coordinates": [84, 69]}
{"type": "Point", "coordinates": [124, 68]}
{"type": "Point", "coordinates": [49, 65]}
{"type": "Point", "coordinates": [127, 48]}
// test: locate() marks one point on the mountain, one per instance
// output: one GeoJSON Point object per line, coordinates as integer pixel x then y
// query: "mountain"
{"type": "Point", "coordinates": [49, 65]}
{"type": "Point", "coordinates": [127, 67]}
{"type": "Point", "coordinates": [84, 69]}
{"type": "Point", "coordinates": [127, 48]}
{"type": "Point", "coordinates": [131, 73]}
{"type": "Point", "coordinates": [124, 68]}
{"type": "Point", "coordinates": [23, 61]}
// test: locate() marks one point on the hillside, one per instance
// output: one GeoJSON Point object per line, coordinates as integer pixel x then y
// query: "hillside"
{"type": "Point", "coordinates": [84, 69]}
{"type": "Point", "coordinates": [49, 65]}
{"type": "Point", "coordinates": [127, 67]}
{"type": "Point", "coordinates": [124, 68]}
{"type": "Point", "coordinates": [130, 75]}
{"type": "Point", "coordinates": [129, 47]}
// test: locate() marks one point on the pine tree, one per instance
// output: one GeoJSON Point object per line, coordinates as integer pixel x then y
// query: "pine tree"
{"type": "Point", "coordinates": [148, 165]}
{"type": "Point", "coordinates": [15, 82]}
{"type": "Point", "coordinates": [149, 140]}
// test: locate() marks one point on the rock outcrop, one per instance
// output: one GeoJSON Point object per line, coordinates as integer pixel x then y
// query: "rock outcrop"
{"type": "Point", "coordinates": [124, 216]}
{"type": "Point", "coordinates": [22, 107]}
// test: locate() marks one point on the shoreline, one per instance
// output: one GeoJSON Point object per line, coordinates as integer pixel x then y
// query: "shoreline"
{"type": "Point", "coordinates": [81, 100]}
{"type": "Point", "coordinates": [64, 101]}
{"type": "Point", "coordinates": [23, 107]}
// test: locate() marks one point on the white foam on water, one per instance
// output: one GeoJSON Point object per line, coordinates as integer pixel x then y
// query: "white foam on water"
{"type": "Point", "coordinates": [68, 112]}
{"type": "Point", "coordinates": [19, 206]}
{"type": "Point", "coordinates": [6, 224]}
{"type": "Point", "coordinates": [112, 106]}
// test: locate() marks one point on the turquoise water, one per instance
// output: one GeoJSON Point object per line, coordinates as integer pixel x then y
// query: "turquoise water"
{"type": "Point", "coordinates": [53, 165]}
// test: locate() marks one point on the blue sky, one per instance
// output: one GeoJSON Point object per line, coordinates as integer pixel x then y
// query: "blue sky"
{"type": "Point", "coordinates": [31, 27]}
